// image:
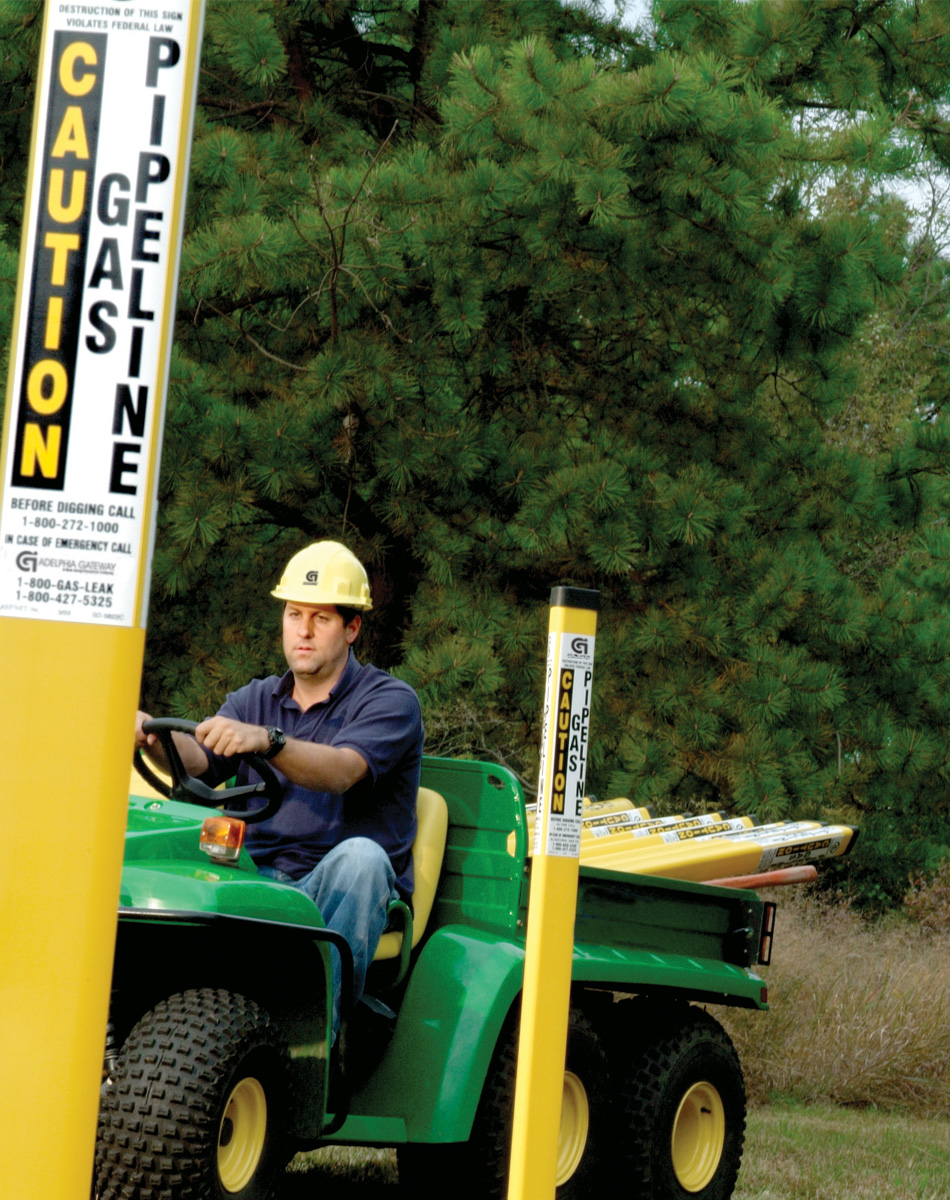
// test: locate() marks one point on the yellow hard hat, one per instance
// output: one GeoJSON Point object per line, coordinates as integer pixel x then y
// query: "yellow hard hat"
{"type": "Point", "coordinates": [325, 573]}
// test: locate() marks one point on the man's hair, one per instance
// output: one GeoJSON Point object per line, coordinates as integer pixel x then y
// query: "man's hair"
{"type": "Point", "coordinates": [347, 613]}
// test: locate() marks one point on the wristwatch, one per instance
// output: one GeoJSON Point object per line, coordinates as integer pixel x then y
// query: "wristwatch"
{"type": "Point", "coordinates": [277, 741]}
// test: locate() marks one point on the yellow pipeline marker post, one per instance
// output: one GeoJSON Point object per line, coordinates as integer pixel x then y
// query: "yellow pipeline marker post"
{"type": "Point", "coordinates": [598, 808]}
{"type": "Point", "coordinates": [632, 841]}
{"type": "Point", "coordinates": [604, 829]}
{"type": "Point", "coordinates": [633, 819]}
{"type": "Point", "coordinates": [80, 457]}
{"type": "Point", "coordinates": [553, 904]}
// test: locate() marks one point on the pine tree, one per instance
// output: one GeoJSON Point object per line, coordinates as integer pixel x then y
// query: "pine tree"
{"type": "Point", "coordinates": [505, 295]}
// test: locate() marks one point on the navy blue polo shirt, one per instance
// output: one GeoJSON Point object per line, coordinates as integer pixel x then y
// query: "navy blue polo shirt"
{"type": "Point", "coordinates": [372, 713]}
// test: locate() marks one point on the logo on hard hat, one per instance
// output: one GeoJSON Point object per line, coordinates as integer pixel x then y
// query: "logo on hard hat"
{"type": "Point", "coordinates": [312, 577]}
{"type": "Point", "coordinates": [27, 560]}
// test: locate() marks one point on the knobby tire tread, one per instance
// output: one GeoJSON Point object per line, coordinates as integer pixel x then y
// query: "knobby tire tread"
{"type": "Point", "coordinates": [159, 1116]}
{"type": "Point", "coordinates": [660, 1040]}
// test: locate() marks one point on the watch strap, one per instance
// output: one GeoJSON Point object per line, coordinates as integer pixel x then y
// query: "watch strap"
{"type": "Point", "coordinates": [277, 741]}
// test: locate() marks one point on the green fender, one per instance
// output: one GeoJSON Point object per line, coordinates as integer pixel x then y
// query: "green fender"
{"type": "Point", "coordinates": [427, 1087]}
{"type": "Point", "coordinates": [431, 1077]}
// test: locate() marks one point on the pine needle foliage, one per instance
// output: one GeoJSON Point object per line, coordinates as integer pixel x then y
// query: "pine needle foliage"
{"type": "Point", "coordinates": [507, 295]}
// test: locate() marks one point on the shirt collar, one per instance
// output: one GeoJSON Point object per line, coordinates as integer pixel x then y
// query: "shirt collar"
{"type": "Point", "coordinates": [285, 685]}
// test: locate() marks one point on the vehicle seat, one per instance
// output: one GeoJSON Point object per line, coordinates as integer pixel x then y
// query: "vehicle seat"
{"type": "Point", "coordinates": [428, 849]}
{"type": "Point", "coordinates": [141, 787]}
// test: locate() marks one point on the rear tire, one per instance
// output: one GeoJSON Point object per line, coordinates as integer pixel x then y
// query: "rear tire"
{"type": "Point", "coordinates": [683, 1101]}
{"type": "Point", "coordinates": [197, 1106]}
{"type": "Point", "coordinates": [478, 1169]}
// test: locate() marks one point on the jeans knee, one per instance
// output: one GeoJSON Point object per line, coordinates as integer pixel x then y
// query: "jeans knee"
{"type": "Point", "coordinates": [361, 853]}
{"type": "Point", "coordinates": [359, 859]}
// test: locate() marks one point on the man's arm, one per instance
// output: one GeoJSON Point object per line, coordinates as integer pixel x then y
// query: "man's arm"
{"type": "Point", "coordinates": [194, 760]}
{"type": "Point", "coordinates": [312, 765]}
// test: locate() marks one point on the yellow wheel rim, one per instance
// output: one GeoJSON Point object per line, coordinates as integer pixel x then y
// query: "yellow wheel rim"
{"type": "Point", "coordinates": [699, 1134]}
{"type": "Point", "coordinates": [575, 1125]}
{"type": "Point", "coordinates": [241, 1135]}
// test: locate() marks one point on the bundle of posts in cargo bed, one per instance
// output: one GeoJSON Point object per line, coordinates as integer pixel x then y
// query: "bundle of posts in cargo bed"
{"type": "Point", "coordinates": [709, 848]}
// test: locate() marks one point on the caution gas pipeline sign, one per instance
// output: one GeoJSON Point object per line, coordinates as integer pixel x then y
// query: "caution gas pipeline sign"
{"type": "Point", "coordinates": [94, 308]}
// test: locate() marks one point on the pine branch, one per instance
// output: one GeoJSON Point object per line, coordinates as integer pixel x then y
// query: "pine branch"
{"type": "Point", "coordinates": [254, 342]}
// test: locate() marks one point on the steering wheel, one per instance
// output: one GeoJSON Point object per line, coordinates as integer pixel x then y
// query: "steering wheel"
{"type": "Point", "coordinates": [186, 787]}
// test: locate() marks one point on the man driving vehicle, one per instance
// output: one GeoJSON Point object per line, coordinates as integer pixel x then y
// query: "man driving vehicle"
{"type": "Point", "coordinates": [346, 742]}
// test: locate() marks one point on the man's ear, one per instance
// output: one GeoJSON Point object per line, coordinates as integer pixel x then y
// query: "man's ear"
{"type": "Point", "coordinates": [352, 631]}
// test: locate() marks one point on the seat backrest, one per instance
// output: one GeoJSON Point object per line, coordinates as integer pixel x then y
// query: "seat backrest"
{"type": "Point", "coordinates": [428, 849]}
{"type": "Point", "coordinates": [141, 787]}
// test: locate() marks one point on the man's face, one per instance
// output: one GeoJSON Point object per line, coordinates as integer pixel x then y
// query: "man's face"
{"type": "Point", "coordinates": [316, 642]}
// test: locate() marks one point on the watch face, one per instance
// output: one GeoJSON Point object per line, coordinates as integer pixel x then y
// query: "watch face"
{"type": "Point", "coordinates": [277, 740]}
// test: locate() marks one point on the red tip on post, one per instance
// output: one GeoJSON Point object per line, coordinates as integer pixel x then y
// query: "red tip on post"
{"type": "Point", "coordinates": [769, 878]}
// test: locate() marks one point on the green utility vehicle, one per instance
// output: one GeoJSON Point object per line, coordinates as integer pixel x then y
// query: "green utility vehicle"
{"type": "Point", "coordinates": [218, 1066]}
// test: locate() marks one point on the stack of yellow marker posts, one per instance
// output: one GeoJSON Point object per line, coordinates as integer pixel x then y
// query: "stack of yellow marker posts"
{"type": "Point", "coordinates": [699, 855]}
{"type": "Point", "coordinates": [617, 836]}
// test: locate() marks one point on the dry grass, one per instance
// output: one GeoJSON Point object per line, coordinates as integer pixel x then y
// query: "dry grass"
{"type": "Point", "coordinates": [860, 1014]}
{"type": "Point", "coordinates": [928, 900]}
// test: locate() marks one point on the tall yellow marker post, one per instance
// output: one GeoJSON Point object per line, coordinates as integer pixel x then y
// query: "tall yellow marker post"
{"type": "Point", "coordinates": [83, 423]}
{"type": "Point", "coordinates": [553, 903]}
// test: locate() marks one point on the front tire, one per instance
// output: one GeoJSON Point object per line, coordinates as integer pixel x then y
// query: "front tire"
{"type": "Point", "coordinates": [197, 1106]}
{"type": "Point", "coordinates": [683, 1101]}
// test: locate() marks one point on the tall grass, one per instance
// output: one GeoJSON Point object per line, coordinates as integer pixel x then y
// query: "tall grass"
{"type": "Point", "coordinates": [860, 1013]}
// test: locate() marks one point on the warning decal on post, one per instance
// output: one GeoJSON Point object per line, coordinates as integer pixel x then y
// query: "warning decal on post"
{"type": "Point", "coordinates": [570, 672]}
{"type": "Point", "coordinates": [95, 303]}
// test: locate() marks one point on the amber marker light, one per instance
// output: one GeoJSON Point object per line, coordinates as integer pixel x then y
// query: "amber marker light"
{"type": "Point", "coordinates": [222, 838]}
{"type": "Point", "coordinates": [768, 932]}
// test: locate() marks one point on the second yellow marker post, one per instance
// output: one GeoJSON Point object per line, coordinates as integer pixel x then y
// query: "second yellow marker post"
{"type": "Point", "coordinates": [542, 1047]}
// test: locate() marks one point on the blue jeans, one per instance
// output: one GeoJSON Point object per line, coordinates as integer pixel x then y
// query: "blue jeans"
{"type": "Point", "coordinates": [352, 887]}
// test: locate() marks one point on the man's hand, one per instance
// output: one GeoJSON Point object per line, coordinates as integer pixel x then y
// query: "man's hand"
{"type": "Point", "coordinates": [193, 760]}
{"type": "Point", "coordinates": [225, 736]}
{"type": "Point", "coordinates": [141, 738]}
{"type": "Point", "coordinates": [311, 764]}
